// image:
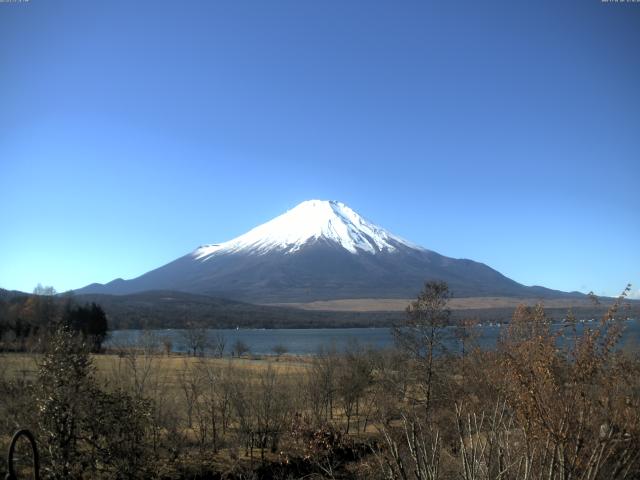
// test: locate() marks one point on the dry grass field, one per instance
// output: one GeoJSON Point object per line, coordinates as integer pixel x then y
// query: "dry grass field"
{"type": "Point", "coordinates": [25, 365]}
{"type": "Point", "coordinates": [400, 304]}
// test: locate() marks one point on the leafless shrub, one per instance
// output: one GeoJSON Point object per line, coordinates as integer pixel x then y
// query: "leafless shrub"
{"type": "Point", "coordinates": [563, 397]}
{"type": "Point", "coordinates": [411, 452]}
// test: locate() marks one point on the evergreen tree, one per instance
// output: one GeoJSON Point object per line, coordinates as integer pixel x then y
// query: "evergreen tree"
{"type": "Point", "coordinates": [64, 382]}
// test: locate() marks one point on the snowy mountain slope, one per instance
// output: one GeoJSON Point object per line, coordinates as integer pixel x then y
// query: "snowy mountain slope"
{"type": "Point", "coordinates": [319, 250]}
{"type": "Point", "coordinates": [308, 222]}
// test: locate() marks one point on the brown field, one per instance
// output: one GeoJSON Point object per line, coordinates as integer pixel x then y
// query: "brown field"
{"type": "Point", "coordinates": [25, 365]}
{"type": "Point", "coordinates": [397, 305]}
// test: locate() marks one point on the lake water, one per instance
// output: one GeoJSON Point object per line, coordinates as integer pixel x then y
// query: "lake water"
{"type": "Point", "coordinates": [301, 341]}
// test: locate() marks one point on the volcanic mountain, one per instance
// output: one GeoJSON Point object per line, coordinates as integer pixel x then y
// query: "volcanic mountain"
{"type": "Point", "coordinates": [319, 250]}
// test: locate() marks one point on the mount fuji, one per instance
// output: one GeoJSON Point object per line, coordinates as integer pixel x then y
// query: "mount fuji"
{"type": "Point", "coordinates": [319, 250]}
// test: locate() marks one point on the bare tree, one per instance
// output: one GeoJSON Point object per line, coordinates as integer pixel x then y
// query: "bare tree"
{"type": "Point", "coordinates": [136, 365]}
{"type": "Point", "coordinates": [354, 377]}
{"type": "Point", "coordinates": [190, 386]}
{"type": "Point", "coordinates": [240, 348]}
{"type": "Point", "coordinates": [215, 399]}
{"type": "Point", "coordinates": [421, 335]}
{"type": "Point", "coordinates": [167, 345]}
{"type": "Point", "coordinates": [391, 384]}
{"type": "Point", "coordinates": [322, 384]}
{"type": "Point", "coordinates": [279, 350]}
{"type": "Point", "coordinates": [271, 410]}
{"type": "Point", "coordinates": [218, 343]}
{"type": "Point", "coordinates": [195, 339]}
{"type": "Point", "coordinates": [243, 403]}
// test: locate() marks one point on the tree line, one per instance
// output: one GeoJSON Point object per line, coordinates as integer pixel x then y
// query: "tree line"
{"type": "Point", "coordinates": [27, 321]}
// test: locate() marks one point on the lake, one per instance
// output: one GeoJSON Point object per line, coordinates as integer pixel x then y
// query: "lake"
{"type": "Point", "coordinates": [300, 341]}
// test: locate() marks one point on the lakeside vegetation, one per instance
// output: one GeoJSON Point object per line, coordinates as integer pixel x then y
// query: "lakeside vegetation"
{"type": "Point", "coordinates": [27, 321]}
{"type": "Point", "coordinates": [157, 310]}
{"type": "Point", "coordinates": [529, 409]}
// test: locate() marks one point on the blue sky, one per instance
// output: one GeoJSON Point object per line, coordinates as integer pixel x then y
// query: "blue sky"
{"type": "Point", "coordinates": [506, 132]}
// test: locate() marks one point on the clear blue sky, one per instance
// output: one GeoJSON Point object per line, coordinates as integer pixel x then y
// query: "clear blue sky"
{"type": "Point", "coordinates": [503, 131]}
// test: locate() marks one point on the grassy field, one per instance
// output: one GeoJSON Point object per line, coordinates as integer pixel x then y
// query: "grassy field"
{"type": "Point", "coordinates": [397, 305]}
{"type": "Point", "coordinates": [179, 387]}
{"type": "Point", "coordinates": [25, 365]}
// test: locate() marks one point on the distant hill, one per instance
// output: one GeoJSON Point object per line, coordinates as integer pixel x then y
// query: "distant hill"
{"type": "Point", "coordinates": [166, 309]}
{"type": "Point", "coordinates": [9, 294]}
{"type": "Point", "coordinates": [170, 309]}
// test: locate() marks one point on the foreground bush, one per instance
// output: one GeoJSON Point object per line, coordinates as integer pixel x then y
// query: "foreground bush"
{"type": "Point", "coordinates": [84, 430]}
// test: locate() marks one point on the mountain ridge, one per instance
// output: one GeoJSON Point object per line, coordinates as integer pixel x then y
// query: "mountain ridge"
{"type": "Point", "coordinates": [319, 250]}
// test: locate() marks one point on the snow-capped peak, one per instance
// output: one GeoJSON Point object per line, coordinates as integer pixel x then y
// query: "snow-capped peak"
{"type": "Point", "coordinates": [307, 222]}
